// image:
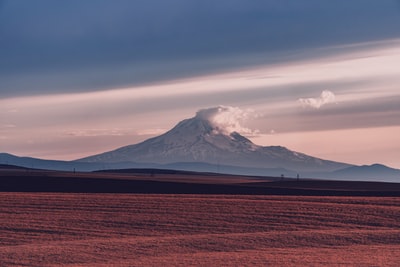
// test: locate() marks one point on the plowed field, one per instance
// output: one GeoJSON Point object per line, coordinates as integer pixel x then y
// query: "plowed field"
{"type": "Point", "coordinates": [39, 229]}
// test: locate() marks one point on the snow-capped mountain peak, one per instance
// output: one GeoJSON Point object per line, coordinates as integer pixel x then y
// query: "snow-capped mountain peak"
{"type": "Point", "coordinates": [199, 139]}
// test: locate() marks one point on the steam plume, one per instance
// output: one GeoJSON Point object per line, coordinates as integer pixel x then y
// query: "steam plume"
{"type": "Point", "coordinates": [226, 119]}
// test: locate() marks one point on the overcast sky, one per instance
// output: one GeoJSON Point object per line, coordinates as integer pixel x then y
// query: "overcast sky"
{"type": "Point", "coordinates": [321, 76]}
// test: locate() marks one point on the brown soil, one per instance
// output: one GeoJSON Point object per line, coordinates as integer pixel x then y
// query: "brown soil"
{"type": "Point", "coordinates": [39, 229]}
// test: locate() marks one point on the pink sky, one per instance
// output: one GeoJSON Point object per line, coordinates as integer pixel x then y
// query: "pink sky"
{"type": "Point", "coordinates": [356, 120]}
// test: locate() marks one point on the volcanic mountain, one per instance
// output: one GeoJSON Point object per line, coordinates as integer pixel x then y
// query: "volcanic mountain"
{"type": "Point", "coordinates": [199, 140]}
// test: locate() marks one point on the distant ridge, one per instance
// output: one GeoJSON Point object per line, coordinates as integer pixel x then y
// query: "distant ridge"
{"type": "Point", "coordinates": [27, 162]}
{"type": "Point", "coordinates": [375, 172]}
{"type": "Point", "coordinates": [12, 167]}
{"type": "Point", "coordinates": [157, 171]}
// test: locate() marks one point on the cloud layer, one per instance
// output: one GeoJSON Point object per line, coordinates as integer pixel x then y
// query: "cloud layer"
{"type": "Point", "coordinates": [118, 43]}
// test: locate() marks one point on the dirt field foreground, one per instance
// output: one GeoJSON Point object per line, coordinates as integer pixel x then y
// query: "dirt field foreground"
{"type": "Point", "coordinates": [53, 229]}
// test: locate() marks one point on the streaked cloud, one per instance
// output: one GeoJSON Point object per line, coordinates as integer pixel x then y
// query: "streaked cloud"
{"type": "Point", "coordinates": [97, 132]}
{"type": "Point", "coordinates": [8, 126]}
{"type": "Point", "coordinates": [268, 89]}
{"type": "Point", "coordinates": [151, 132]}
{"type": "Point", "coordinates": [122, 43]}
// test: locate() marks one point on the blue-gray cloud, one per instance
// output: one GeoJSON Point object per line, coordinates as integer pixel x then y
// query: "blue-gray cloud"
{"type": "Point", "coordinates": [57, 46]}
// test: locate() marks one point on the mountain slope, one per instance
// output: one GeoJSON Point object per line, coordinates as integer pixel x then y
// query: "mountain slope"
{"type": "Point", "coordinates": [198, 140]}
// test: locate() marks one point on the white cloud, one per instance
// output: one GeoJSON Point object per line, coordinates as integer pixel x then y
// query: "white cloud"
{"type": "Point", "coordinates": [326, 97]}
{"type": "Point", "coordinates": [226, 119]}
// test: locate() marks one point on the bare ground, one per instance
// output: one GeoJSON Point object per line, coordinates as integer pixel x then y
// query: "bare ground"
{"type": "Point", "coordinates": [53, 229]}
